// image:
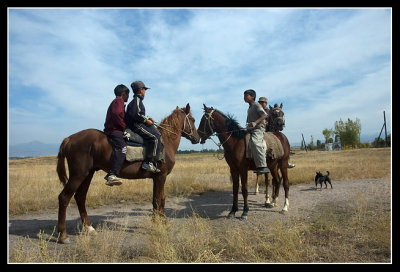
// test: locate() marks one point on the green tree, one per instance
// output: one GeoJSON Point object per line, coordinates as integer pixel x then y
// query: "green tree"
{"type": "Point", "coordinates": [328, 133]}
{"type": "Point", "coordinates": [312, 146]}
{"type": "Point", "coordinates": [320, 145]}
{"type": "Point", "coordinates": [348, 132]}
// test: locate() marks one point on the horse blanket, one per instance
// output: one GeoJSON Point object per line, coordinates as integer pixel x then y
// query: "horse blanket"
{"type": "Point", "coordinates": [271, 143]}
{"type": "Point", "coordinates": [136, 148]}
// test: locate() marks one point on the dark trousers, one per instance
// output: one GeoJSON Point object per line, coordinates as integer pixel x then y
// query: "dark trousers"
{"type": "Point", "coordinates": [118, 151]}
{"type": "Point", "coordinates": [151, 137]}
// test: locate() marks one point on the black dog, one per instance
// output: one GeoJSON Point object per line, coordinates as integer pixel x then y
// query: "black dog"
{"type": "Point", "coordinates": [319, 178]}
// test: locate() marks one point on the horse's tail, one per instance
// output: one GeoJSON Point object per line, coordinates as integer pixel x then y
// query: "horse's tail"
{"type": "Point", "coordinates": [62, 174]}
{"type": "Point", "coordinates": [328, 173]}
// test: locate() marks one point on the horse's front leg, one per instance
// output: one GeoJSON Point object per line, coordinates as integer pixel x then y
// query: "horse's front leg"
{"type": "Point", "coordinates": [235, 184]}
{"type": "Point", "coordinates": [159, 196]}
{"type": "Point", "coordinates": [245, 193]}
{"type": "Point", "coordinates": [285, 186]}
{"type": "Point", "coordinates": [257, 186]}
{"type": "Point", "coordinates": [268, 183]}
{"type": "Point", "coordinates": [275, 186]}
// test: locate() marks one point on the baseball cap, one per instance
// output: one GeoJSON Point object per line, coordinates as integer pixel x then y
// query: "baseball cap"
{"type": "Point", "coordinates": [263, 99]}
{"type": "Point", "coordinates": [136, 85]}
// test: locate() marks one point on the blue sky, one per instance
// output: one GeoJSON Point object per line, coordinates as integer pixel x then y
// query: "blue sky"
{"type": "Point", "coordinates": [322, 64]}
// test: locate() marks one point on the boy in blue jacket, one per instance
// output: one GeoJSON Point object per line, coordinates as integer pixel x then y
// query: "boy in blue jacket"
{"type": "Point", "coordinates": [137, 121]}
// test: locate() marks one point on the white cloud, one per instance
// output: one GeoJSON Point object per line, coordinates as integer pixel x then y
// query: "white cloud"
{"type": "Point", "coordinates": [317, 62]}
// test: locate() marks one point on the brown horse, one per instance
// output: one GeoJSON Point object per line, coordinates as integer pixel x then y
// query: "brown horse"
{"type": "Point", "coordinates": [275, 123]}
{"type": "Point", "coordinates": [89, 150]}
{"type": "Point", "coordinates": [232, 138]}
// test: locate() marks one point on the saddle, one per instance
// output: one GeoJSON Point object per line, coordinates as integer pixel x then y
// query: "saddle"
{"type": "Point", "coordinates": [273, 146]}
{"type": "Point", "coordinates": [136, 148]}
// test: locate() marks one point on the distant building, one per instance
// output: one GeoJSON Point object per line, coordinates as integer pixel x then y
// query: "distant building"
{"type": "Point", "coordinates": [328, 146]}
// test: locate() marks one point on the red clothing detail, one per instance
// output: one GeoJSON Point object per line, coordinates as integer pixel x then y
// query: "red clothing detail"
{"type": "Point", "coordinates": [115, 116]}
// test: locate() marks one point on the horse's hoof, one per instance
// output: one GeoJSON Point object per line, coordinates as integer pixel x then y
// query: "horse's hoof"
{"type": "Point", "coordinates": [231, 215]}
{"type": "Point", "coordinates": [243, 218]}
{"type": "Point", "coordinates": [268, 205]}
{"type": "Point", "coordinates": [283, 212]}
{"type": "Point", "coordinates": [89, 230]}
{"type": "Point", "coordinates": [92, 231]}
{"type": "Point", "coordinates": [64, 241]}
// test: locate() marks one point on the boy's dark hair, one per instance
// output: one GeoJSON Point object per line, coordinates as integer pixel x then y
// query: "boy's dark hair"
{"type": "Point", "coordinates": [251, 93]}
{"type": "Point", "coordinates": [120, 89]}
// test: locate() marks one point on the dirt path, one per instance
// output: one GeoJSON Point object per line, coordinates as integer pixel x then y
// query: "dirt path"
{"type": "Point", "coordinates": [304, 199]}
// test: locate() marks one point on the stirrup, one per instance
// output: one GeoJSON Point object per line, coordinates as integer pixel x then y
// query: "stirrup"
{"type": "Point", "coordinates": [149, 166]}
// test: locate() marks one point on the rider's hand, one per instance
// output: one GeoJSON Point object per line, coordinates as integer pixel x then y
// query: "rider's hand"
{"type": "Point", "coordinates": [149, 122]}
{"type": "Point", "coordinates": [251, 125]}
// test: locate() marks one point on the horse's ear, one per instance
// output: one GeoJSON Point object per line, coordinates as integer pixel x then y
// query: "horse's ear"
{"type": "Point", "coordinates": [281, 106]}
{"type": "Point", "coordinates": [269, 106]}
{"type": "Point", "coordinates": [205, 107]}
{"type": "Point", "coordinates": [177, 107]}
{"type": "Point", "coordinates": [187, 110]}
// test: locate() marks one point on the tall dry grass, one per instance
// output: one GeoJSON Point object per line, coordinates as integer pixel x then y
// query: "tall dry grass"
{"type": "Point", "coordinates": [333, 234]}
{"type": "Point", "coordinates": [33, 183]}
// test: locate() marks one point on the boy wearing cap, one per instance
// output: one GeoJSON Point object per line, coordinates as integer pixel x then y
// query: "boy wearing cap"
{"type": "Point", "coordinates": [114, 128]}
{"type": "Point", "coordinates": [256, 126]}
{"type": "Point", "coordinates": [137, 121]}
{"type": "Point", "coordinates": [263, 101]}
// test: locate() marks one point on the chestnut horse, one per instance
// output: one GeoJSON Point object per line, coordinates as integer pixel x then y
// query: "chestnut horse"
{"type": "Point", "coordinates": [232, 138]}
{"type": "Point", "coordinates": [89, 150]}
{"type": "Point", "coordinates": [275, 123]}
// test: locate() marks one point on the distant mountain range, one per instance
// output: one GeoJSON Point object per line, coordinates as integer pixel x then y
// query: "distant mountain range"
{"type": "Point", "coordinates": [33, 149]}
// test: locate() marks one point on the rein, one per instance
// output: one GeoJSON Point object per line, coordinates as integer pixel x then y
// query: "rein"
{"type": "Point", "coordinates": [163, 126]}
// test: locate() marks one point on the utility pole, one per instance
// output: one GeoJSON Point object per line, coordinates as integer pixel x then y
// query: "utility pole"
{"type": "Point", "coordinates": [305, 146]}
{"type": "Point", "coordinates": [384, 122]}
{"type": "Point", "coordinates": [384, 126]}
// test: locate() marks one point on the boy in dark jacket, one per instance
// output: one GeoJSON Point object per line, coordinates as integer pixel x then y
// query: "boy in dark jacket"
{"type": "Point", "coordinates": [114, 128]}
{"type": "Point", "coordinates": [137, 121]}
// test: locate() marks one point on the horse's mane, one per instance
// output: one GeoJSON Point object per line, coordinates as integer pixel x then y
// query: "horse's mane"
{"type": "Point", "coordinates": [170, 122]}
{"type": "Point", "coordinates": [233, 126]}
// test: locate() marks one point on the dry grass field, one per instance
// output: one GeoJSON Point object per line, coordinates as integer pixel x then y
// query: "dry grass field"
{"type": "Point", "coordinates": [358, 230]}
{"type": "Point", "coordinates": [34, 186]}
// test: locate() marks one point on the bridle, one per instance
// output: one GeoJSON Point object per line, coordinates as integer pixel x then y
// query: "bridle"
{"type": "Point", "coordinates": [191, 134]}
{"type": "Point", "coordinates": [274, 125]}
{"type": "Point", "coordinates": [210, 124]}
{"type": "Point", "coordinates": [210, 119]}
{"type": "Point", "coordinates": [185, 134]}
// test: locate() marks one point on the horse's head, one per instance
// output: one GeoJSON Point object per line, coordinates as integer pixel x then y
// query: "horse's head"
{"type": "Point", "coordinates": [189, 128]}
{"type": "Point", "coordinates": [206, 126]}
{"type": "Point", "coordinates": [276, 119]}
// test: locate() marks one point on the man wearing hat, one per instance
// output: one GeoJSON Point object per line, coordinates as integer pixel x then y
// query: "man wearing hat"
{"type": "Point", "coordinates": [263, 101]}
{"type": "Point", "coordinates": [256, 126]}
{"type": "Point", "coordinates": [136, 120]}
